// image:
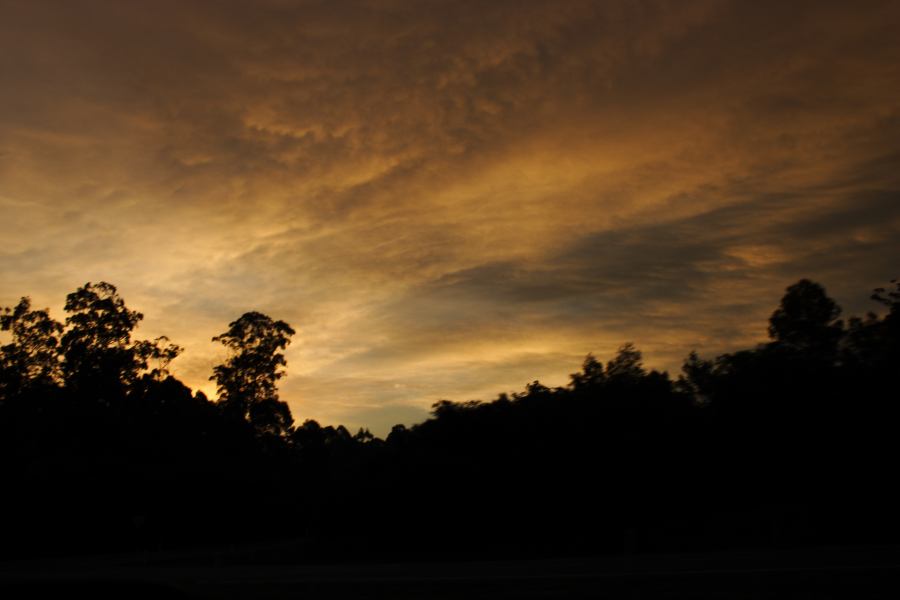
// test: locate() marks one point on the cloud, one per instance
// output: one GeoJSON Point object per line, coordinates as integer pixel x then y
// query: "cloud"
{"type": "Point", "coordinates": [431, 192]}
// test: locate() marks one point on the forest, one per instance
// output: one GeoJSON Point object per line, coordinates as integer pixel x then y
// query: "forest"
{"type": "Point", "coordinates": [791, 443]}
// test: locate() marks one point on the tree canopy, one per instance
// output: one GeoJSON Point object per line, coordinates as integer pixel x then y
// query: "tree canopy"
{"type": "Point", "coordinates": [787, 442]}
{"type": "Point", "coordinates": [247, 380]}
{"type": "Point", "coordinates": [32, 358]}
{"type": "Point", "coordinates": [807, 319]}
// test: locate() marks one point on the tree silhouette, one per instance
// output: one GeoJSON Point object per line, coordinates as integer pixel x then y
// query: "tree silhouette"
{"type": "Point", "coordinates": [806, 320]}
{"type": "Point", "coordinates": [891, 323]}
{"type": "Point", "coordinates": [804, 425]}
{"type": "Point", "coordinates": [697, 377]}
{"type": "Point", "coordinates": [100, 358]}
{"type": "Point", "coordinates": [888, 297]}
{"type": "Point", "coordinates": [590, 376]}
{"type": "Point", "coordinates": [872, 344]}
{"type": "Point", "coordinates": [31, 359]}
{"type": "Point", "coordinates": [247, 380]}
{"type": "Point", "coordinates": [626, 365]}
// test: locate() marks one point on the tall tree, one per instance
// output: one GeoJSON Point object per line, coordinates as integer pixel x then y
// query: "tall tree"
{"type": "Point", "coordinates": [100, 357]}
{"type": "Point", "coordinates": [247, 381]}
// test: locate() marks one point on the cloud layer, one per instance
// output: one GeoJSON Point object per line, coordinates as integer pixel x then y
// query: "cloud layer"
{"type": "Point", "coordinates": [448, 199]}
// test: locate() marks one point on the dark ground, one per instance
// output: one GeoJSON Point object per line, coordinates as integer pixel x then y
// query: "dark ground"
{"type": "Point", "coordinates": [858, 573]}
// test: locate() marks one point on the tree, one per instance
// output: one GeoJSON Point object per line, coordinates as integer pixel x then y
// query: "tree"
{"type": "Point", "coordinates": [364, 436]}
{"type": "Point", "coordinates": [247, 380]}
{"type": "Point", "coordinates": [100, 357]}
{"type": "Point", "coordinates": [627, 364]}
{"type": "Point", "coordinates": [31, 359]}
{"type": "Point", "coordinates": [873, 342]}
{"type": "Point", "coordinates": [807, 320]}
{"type": "Point", "coordinates": [591, 375]}
{"type": "Point", "coordinates": [888, 297]}
{"type": "Point", "coordinates": [697, 378]}
{"type": "Point", "coordinates": [891, 299]}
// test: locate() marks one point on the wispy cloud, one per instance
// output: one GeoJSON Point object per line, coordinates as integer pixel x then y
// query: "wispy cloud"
{"type": "Point", "coordinates": [448, 199]}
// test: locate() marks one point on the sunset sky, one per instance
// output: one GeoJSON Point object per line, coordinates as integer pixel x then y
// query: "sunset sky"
{"type": "Point", "coordinates": [448, 199]}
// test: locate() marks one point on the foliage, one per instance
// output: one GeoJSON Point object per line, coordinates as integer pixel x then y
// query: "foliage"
{"type": "Point", "coordinates": [626, 365]}
{"type": "Point", "coordinates": [807, 319]}
{"type": "Point", "coordinates": [99, 356]}
{"type": "Point", "coordinates": [247, 381]}
{"type": "Point", "coordinates": [591, 374]}
{"type": "Point", "coordinates": [786, 443]}
{"type": "Point", "coordinates": [31, 359]}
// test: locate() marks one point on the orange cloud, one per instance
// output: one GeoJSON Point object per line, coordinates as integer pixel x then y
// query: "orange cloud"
{"type": "Point", "coordinates": [452, 199]}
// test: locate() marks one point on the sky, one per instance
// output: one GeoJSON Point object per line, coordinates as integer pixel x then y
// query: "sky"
{"type": "Point", "coordinates": [448, 199]}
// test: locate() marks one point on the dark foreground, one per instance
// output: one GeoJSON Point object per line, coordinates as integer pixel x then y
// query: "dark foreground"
{"type": "Point", "coordinates": [859, 573]}
{"type": "Point", "coordinates": [788, 444]}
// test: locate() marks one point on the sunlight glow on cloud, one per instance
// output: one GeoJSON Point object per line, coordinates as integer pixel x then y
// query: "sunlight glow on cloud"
{"type": "Point", "coordinates": [453, 199]}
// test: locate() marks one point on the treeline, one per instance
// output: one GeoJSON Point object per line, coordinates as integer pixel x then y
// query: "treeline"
{"type": "Point", "coordinates": [792, 442]}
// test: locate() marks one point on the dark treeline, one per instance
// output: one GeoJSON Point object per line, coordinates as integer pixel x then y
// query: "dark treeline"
{"type": "Point", "coordinates": [793, 442]}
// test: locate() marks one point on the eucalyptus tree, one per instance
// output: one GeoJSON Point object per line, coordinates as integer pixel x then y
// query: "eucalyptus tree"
{"type": "Point", "coordinates": [247, 380]}
{"type": "Point", "coordinates": [100, 358]}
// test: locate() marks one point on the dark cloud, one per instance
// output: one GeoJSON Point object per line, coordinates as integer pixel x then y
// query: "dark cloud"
{"type": "Point", "coordinates": [700, 277]}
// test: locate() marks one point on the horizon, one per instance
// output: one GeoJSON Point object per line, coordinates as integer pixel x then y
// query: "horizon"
{"type": "Point", "coordinates": [451, 201]}
{"type": "Point", "coordinates": [382, 429]}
